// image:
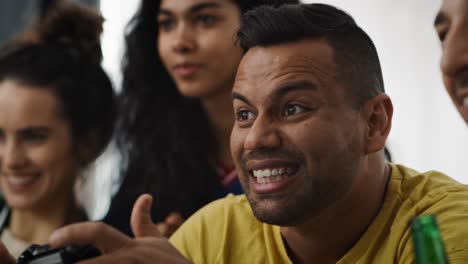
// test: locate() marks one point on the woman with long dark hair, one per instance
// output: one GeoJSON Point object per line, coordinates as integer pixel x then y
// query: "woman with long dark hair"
{"type": "Point", "coordinates": [176, 113]}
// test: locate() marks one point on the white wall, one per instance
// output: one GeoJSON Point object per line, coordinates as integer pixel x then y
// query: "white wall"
{"type": "Point", "coordinates": [116, 14]}
{"type": "Point", "coordinates": [427, 131]}
{"type": "Point", "coordinates": [97, 192]}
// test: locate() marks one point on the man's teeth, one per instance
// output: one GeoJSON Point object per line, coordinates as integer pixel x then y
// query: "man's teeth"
{"type": "Point", "coordinates": [465, 101]}
{"type": "Point", "coordinates": [272, 175]}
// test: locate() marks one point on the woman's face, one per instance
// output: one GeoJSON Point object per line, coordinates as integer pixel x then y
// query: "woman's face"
{"type": "Point", "coordinates": [37, 161]}
{"type": "Point", "coordinates": [197, 45]}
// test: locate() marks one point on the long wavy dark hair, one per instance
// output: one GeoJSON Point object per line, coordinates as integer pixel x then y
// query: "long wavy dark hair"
{"type": "Point", "coordinates": [166, 139]}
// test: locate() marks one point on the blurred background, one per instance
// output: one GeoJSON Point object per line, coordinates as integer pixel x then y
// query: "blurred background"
{"type": "Point", "coordinates": [427, 133]}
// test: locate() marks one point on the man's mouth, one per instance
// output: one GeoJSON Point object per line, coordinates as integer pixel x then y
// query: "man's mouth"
{"type": "Point", "coordinates": [273, 176]}
{"type": "Point", "coordinates": [269, 175]}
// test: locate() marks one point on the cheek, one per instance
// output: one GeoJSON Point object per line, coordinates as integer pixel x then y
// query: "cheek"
{"type": "Point", "coordinates": [450, 88]}
{"type": "Point", "coordinates": [319, 142]}
{"type": "Point", "coordinates": [162, 47]}
{"type": "Point", "coordinates": [448, 83]}
{"type": "Point", "coordinates": [55, 160]}
{"type": "Point", "coordinates": [237, 143]}
{"type": "Point", "coordinates": [311, 136]}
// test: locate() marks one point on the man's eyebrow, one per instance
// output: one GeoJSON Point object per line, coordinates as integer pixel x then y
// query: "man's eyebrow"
{"type": "Point", "coordinates": [238, 96]}
{"type": "Point", "coordinates": [284, 89]}
{"type": "Point", "coordinates": [440, 18]}
{"type": "Point", "coordinates": [294, 86]}
{"type": "Point", "coordinates": [193, 9]}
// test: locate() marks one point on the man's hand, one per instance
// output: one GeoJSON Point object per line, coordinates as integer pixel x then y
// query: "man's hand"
{"type": "Point", "coordinates": [149, 246]}
{"type": "Point", "coordinates": [141, 220]}
{"type": "Point", "coordinates": [172, 222]}
{"type": "Point", "coordinates": [5, 256]}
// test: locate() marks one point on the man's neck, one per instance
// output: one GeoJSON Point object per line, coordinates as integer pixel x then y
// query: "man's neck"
{"type": "Point", "coordinates": [328, 237]}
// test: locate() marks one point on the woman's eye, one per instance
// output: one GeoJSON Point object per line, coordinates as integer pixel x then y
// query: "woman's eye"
{"type": "Point", "coordinates": [206, 20]}
{"type": "Point", "coordinates": [244, 115]}
{"type": "Point", "coordinates": [294, 109]}
{"type": "Point", "coordinates": [165, 24]}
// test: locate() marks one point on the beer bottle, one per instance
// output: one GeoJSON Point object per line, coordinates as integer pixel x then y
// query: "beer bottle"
{"type": "Point", "coordinates": [427, 241]}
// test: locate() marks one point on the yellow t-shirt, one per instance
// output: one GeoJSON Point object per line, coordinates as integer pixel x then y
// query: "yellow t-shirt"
{"type": "Point", "coordinates": [226, 231]}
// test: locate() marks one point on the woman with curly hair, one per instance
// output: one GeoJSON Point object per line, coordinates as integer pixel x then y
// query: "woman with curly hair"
{"type": "Point", "coordinates": [57, 112]}
{"type": "Point", "coordinates": [176, 114]}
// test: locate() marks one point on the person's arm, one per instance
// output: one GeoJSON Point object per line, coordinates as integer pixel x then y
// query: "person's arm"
{"type": "Point", "coordinates": [148, 246]}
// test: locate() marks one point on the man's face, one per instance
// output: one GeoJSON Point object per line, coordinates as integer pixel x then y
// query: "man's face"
{"type": "Point", "coordinates": [296, 141]}
{"type": "Point", "coordinates": [452, 27]}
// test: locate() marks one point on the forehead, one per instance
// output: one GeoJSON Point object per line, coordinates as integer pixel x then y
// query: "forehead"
{"type": "Point", "coordinates": [25, 105]}
{"type": "Point", "coordinates": [187, 6]}
{"type": "Point", "coordinates": [305, 60]}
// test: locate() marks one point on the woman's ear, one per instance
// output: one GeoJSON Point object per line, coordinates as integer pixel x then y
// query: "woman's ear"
{"type": "Point", "coordinates": [378, 113]}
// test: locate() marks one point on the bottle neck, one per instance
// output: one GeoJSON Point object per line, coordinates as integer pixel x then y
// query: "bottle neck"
{"type": "Point", "coordinates": [427, 241]}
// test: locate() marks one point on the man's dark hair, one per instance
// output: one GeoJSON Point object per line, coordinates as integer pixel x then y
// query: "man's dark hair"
{"type": "Point", "coordinates": [354, 53]}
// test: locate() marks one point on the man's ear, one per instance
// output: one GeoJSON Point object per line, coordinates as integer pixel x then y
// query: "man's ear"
{"type": "Point", "coordinates": [377, 112]}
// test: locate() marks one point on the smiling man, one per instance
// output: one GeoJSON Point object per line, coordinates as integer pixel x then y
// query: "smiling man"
{"type": "Point", "coordinates": [451, 24]}
{"type": "Point", "coordinates": [311, 121]}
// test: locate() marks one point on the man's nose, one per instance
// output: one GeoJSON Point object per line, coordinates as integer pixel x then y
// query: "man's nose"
{"type": "Point", "coordinates": [262, 134]}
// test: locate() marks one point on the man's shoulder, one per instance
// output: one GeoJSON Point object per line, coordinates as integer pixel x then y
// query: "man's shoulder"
{"type": "Point", "coordinates": [412, 185]}
{"type": "Point", "coordinates": [410, 194]}
{"type": "Point", "coordinates": [428, 193]}
{"type": "Point", "coordinates": [436, 194]}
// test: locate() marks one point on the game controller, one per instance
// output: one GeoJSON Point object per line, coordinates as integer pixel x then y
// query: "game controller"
{"type": "Point", "coordinates": [44, 254]}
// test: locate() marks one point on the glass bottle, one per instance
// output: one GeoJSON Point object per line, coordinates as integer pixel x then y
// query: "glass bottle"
{"type": "Point", "coordinates": [427, 241]}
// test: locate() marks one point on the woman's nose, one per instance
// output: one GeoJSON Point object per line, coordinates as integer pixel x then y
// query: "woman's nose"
{"type": "Point", "coordinates": [184, 39]}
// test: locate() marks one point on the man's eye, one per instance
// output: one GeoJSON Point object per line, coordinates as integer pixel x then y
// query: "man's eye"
{"type": "Point", "coordinates": [244, 115]}
{"type": "Point", "coordinates": [35, 137]}
{"type": "Point", "coordinates": [294, 109]}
